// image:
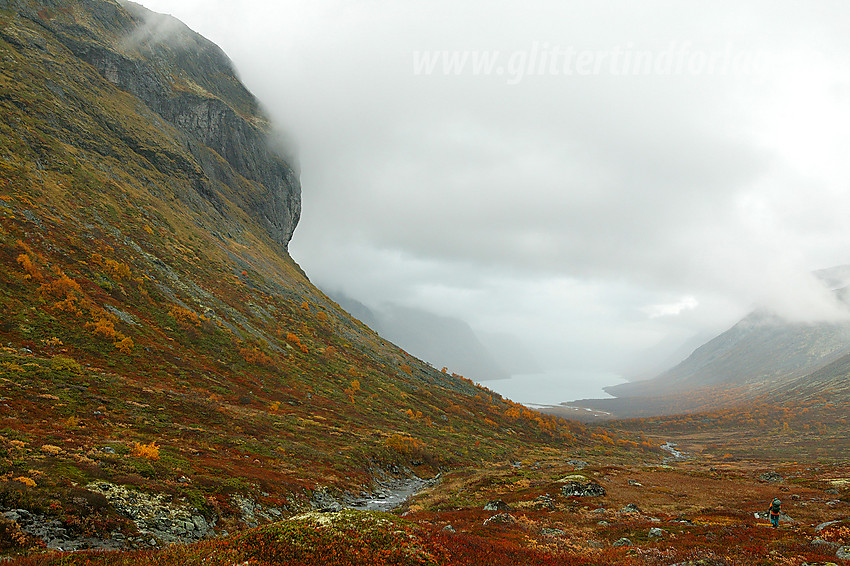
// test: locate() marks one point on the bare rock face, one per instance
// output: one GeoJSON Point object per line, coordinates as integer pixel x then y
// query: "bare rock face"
{"type": "Point", "coordinates": [191, 85]}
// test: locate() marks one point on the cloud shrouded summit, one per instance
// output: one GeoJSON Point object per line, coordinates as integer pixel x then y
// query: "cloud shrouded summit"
{"type": "Point", "coordinates": [684, 166]}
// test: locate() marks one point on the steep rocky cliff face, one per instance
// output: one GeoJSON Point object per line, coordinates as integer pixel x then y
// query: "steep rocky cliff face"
{"type": "Point", "coordinates": [191, 84]}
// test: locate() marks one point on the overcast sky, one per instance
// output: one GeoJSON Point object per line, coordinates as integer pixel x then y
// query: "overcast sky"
{"type": "Point", "coordinates": [600, 177]}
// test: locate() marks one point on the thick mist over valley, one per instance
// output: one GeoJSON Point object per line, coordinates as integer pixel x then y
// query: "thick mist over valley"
{"type": "Point", "coordinates": [612, 185]}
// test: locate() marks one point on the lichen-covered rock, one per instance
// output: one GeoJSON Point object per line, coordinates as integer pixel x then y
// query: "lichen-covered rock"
{"type": "Point", "coordinates": [168, 521]}
{"type": "Point", "coordinates": [545, 501]}
{"type": "Point", "coordinates": [580, 489]}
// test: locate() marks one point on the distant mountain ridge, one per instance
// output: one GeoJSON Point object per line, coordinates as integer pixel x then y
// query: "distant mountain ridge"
{"type": "Point", "coordinates": [760, 349]}
{"type": "Point", "coordinates": [760, 355]}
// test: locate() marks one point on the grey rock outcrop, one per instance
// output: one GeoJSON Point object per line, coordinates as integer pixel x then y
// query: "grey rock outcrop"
{"type": "Point", "coordinates": [56, 536]}
{"type": "Point", "coordinates": [254, 513]}
{"type": "Point", "coordinates": [579, 489]}
{"type": "Point", "coordinates": [324, 502]}
{"type": "Point", "coordinates": [497, 505]}
{"type": "Point", "coordinates": [155, 516]}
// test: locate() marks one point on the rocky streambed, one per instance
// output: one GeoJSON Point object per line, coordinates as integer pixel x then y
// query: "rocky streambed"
{"type": "Point", "coordinates": [391, 494]}
{"type": "Point", "coordinates": [160, 520]}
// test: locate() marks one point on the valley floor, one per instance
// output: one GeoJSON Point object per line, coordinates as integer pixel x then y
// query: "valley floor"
{"type": "Point", "coordinates": [584, 507]}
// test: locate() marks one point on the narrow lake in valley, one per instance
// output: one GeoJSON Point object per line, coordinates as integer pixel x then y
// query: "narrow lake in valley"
{"type": "Point", "coordinates": [554, 387]}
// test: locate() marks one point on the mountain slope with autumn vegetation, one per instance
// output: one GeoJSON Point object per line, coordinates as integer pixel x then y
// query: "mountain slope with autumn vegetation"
{"type": "Point", "coordinates": [174, 390]}
{"type": "Point", "coordinates": [157, 338]}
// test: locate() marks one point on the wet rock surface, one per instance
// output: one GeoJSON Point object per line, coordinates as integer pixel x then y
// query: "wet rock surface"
{"type": "Point", "coordinates": [390, 492]}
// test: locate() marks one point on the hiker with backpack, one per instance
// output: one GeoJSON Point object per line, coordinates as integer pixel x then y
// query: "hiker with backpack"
{"type": "Point", "coordinates": [774, 512]}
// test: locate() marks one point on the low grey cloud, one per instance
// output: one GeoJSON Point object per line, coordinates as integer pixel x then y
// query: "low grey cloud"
{"type": "Point", "coordinates": [594, 214]}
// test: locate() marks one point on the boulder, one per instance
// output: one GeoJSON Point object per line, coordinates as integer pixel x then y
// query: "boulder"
{"type": "Point", "coordinates": [501, 518]}
{"type": "Point", "coordinates": [631, 508]}
{"type": "Point", "coordinates": [822, 526]}
{"type": "Point", "coordinates": [579, 489]}
{"type": "Point", "coordinates": [545, 501]}
{"type": "Point", "coordinates": [771, 477]}
{"type": "Point", "coordinates": [655, 532]}
{"type": "Point", "coordinates": [622, 542]}
{"type": "Point", "coordinates": [497, 505]}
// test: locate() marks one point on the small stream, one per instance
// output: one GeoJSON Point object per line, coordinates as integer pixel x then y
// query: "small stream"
{"type": "Point", "coordinates": [675, 455]}
{"type": "Point", "coordinates": [391, 494]}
